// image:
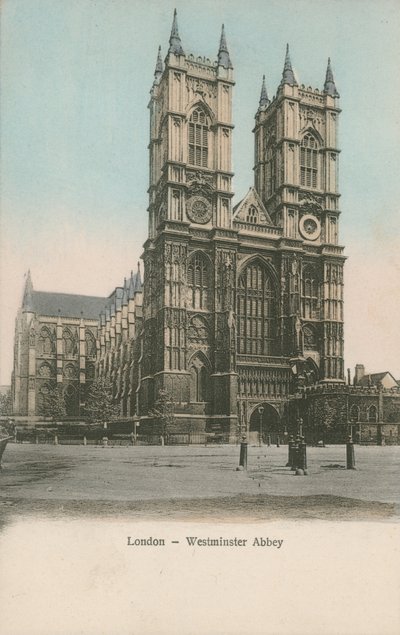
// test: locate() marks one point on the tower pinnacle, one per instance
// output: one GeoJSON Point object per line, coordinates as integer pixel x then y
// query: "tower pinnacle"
{"type": "Point", "coordinates": [329, 86]}
{"type": "Point", "coordinates": [27, 302]}
{"type": "Point", "coordinates": [288, 75]}
{"type": "Point", "coordinates": [264, 101]}
{"type": "Point", "coordinates": [159, 67]}
{"type": "Point", "coordinates": [223, 53]}
{"type": "Point", "coordinates": [175, 44]}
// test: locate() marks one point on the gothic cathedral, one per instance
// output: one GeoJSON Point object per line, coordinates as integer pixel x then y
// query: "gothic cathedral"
{"type": "Point", "coordinates": [242, 305]}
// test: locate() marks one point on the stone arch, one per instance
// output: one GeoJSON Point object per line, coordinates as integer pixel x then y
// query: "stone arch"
{"type": "Point", "coordinates": [266, 426]}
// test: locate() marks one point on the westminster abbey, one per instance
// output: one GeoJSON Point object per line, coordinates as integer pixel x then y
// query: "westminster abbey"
{"type": "Point", "coordinates": [240, 316]}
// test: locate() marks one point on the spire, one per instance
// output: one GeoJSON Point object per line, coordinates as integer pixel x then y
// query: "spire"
{"type": "Point", "coordinates": [223, 54]}
{"type": "Point", "coordinates": [125, 294]}
{"type": "Point", "coordinates": [159, 67]}
{"type": "Point", "coordinates": [329, 86]}
{"type": "Point", "coordinates": [288, 75]}
{"type": "Point", "coordinates": [138, 286]}
{"type": "Point", "coordinates": [131, 292]}
{"type": "Point", "coordinates": [175, 44]}
{"type": "Point", "coordinates": [27, 302]}
{"type": "Point", "coordinates": [264, 101]}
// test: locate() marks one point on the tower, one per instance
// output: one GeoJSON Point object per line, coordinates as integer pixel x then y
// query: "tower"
{"type": "Point", "coordinates": [189, 257]}
{"type": "Point", "coordinates": [296, 176]}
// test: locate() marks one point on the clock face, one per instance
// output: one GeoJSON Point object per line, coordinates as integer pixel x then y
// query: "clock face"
{"type": "Point", "coordinates": [199, 210]}
{"type": "Point", "coordinates": [310, 227]}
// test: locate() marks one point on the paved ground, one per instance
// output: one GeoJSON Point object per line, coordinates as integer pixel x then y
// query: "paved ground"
{"type": "Point", "coordinates": [198, 483]}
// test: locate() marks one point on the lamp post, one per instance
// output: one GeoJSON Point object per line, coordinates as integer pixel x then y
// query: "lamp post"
{"type": "Point", "coordinates": [260, 412]}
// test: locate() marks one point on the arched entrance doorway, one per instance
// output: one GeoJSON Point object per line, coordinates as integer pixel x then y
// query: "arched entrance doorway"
{"type": "Point", "coordinates": [266, 424]}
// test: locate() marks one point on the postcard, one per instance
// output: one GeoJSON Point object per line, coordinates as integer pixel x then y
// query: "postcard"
{"type": "Point", "coordinates": [200, 379]}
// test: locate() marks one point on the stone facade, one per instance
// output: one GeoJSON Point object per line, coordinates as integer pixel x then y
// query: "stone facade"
{"type": "Point", "coordinates": [118, 342]}
{"type": "Point", "coordinates": [241, 306]}
{"type": "Point", "coordinates": [55, 344]}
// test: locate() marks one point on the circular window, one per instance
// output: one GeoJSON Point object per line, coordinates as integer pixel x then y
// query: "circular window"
{"type": "Point", "coordinates": [199, 210]}
{"type": "Point", "coordinates": [310, 227]}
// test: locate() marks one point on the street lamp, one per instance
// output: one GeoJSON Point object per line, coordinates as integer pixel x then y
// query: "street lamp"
{"type": "Point", "coordinates": [260, 412]}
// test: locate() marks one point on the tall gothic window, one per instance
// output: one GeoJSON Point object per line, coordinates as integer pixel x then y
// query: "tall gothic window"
{"type": "Point", "coordinates": [69, 347]}
{"type": "Point", "coordinates": [309, 161]}
{"type": "Point", "coordinates": [256, 311]}
{"type": "Point", "coordinates": [309, 293]}
{"type": "Point", "coordinates": [354, 413]}
{"type": "Point", "coordinates": [199, 380]}
{"type": "Point", "coordinates": [45, 345]}
{"type": "Point", "coordinates": [198, 282]}
{"type": "Point", "coordinates": [90, 344]}
{"type": "Point", "coordinates": [198, 138]}
{"type": "Point", "coordinates": [372, 414]}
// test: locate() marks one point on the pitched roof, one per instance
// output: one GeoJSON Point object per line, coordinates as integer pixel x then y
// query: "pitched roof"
{"type": "Point", "coordinates": [374, 378]}
{"type": "Point", "coordinates": [67, 305]}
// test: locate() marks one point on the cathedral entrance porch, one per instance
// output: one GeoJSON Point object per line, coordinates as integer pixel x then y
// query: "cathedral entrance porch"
{"type": "Point", "coordinates": [265, 424]}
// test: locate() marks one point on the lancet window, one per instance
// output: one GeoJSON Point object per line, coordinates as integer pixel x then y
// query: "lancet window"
{"type": "Point", "coordinates": [309, 161]}
{"type": "Point", "coordinates": [198, 282]}
{"type": "Point", "coordinates": [309, 293]}
{"type": "Point", "coordinates": [198, 138]}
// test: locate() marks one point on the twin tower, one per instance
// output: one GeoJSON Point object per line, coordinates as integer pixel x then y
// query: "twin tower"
{"type": "Point", "coordinates": [242, 305]}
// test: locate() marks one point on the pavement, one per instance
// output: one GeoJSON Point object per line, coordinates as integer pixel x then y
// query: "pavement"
{"type": "Point", "coordinates": [198, 483]}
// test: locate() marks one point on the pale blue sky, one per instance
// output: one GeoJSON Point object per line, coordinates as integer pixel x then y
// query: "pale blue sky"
{"type": "Point", "coordinates": [76, 76]}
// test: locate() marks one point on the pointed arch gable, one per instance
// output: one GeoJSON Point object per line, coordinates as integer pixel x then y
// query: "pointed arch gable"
{"type": "Point", "coordinates": [200, 103]}
{"type": "Point", "coordinates": [258, 258]}
{"type": "Point", "coordinates": [313, 132]}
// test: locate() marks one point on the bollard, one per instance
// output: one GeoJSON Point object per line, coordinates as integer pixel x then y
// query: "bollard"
{"type": "Point", "coordinates": [290, 451]}
{"type": "Point", "coordinates": [105, 442]}
{"type": "Point", "coordinates": [84, 441]}
{"type": "Point", "coordinates": [269, 440]}
{"type": "Point", "coordinates": [302, 462]}
{"type": "Point", "coordinates": [350, 457]}
{"type": "Point", "coordinates": [243, 455]}
{"type": "Point", "coordinates": [277, 441]}
{"type": "Point", "coordinates": [55, 439]}
{"type": "Point", "coordinates": [296, 453]}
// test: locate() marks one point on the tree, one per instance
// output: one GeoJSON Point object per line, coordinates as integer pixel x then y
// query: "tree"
{"type": "Point", "coordinates": [6, 403]}
{"type": "Point", "coordinates": [53, 403]}
{"type": "Point", "coordinates": [163, 413]}
{"type": "Point", "coordinates": [99, 404]}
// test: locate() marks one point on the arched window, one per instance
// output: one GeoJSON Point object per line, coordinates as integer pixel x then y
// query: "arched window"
{"type": "Point", "coordinates": [90, 344]}
{"type": "Point", "coordinates": [68, 343]}
{"type": "Point", "coordinates": [270, 168]}
{"type": "Point", "coordinates": [252, 215]}
{"type": "Point", "coordinates": [309, 293]}
{"type": "Point", "coordinates": [198, 138]}
{"type": "Point", "coordinates": [200, 377]}
{"type": "Point", "coordinates": [45, 344]}
{"type": "Point", "coordinates": [198, 282]}
{"type": "Point", "coordinates": [309, 161]}
{"type": "Point", "coordinates": [354, 413]}
{"type": "Point", "coordinates": [256, 311]}
{"type": "Point", "coordinates": [372, 414]}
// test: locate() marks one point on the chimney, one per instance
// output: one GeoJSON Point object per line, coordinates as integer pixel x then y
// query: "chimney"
{"type": "Point", "coordinates": [359, 373]}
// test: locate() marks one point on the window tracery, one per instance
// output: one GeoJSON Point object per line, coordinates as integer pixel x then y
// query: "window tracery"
{"type": "Point", "coordinates": [198, 138]}
{"type": "Point", "coordinates": [256, 311]}
{"type": "Point", "coordinates": [309, 161]}
{"type": "Point", "coordinates": [252, 215]}
{"type": "Point", "coordinates": [45, 344]}
{"type": "Point", "coordinates": [198, 282]}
